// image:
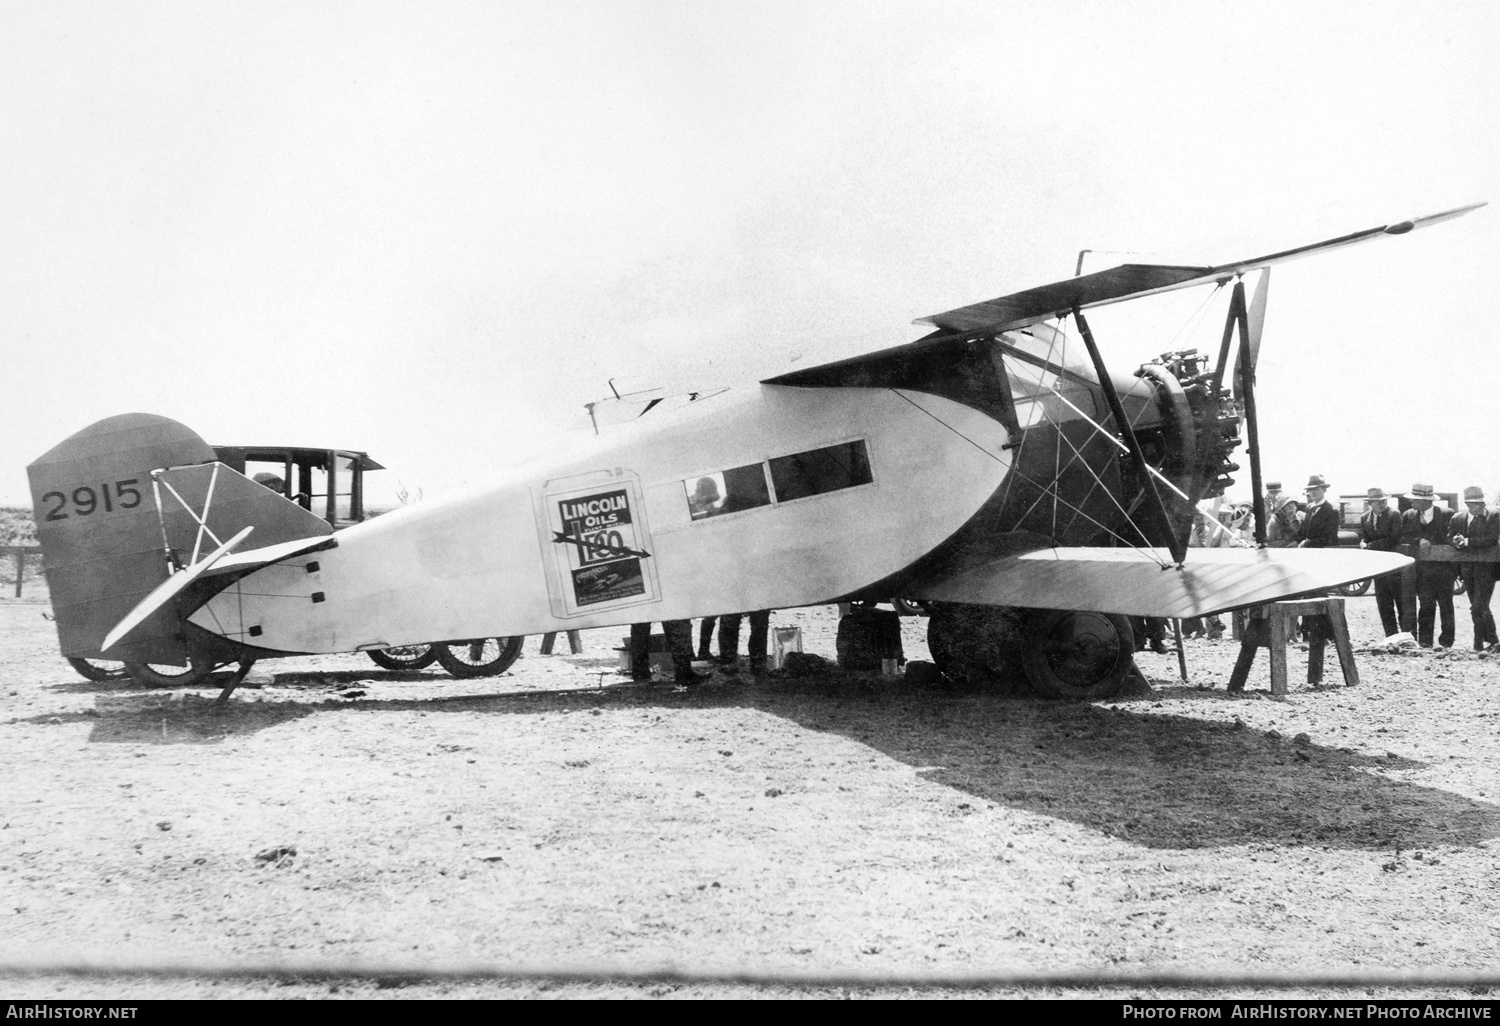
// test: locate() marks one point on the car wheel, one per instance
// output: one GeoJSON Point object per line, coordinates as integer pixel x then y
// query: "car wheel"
{"type": "Point", "coordinates": [165, 675]}
{"type": "Point", "coordinates": [479, 657]}
{"type": "Point", "coordinates": [403, 657]}
{"type": "Point", "coordinates": [100, 669]}
{"type": "Point", "coordinates": [1354, 588]}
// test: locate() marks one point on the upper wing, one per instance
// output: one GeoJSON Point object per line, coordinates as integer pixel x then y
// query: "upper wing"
{"type": "Point", "coordinates": [1131, 281]}
{"type": "Point", "coordinates": [1135, 581]}
{"type": "Point", "coordinates": [1113, 285]}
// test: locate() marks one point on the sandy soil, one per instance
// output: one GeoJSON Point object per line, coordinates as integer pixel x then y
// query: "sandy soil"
{"type": "Point", "coordinates": [815, 824]}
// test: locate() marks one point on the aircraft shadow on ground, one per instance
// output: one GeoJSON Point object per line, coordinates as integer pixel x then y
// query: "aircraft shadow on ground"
{"type": "Point", "coordinates": [1161, 781]}
{"type": "Point", "coordinates": [219, 678]}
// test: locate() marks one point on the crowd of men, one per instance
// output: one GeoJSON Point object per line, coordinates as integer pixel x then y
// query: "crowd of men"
{"type": "Point", "coordinates": [1420, 598]}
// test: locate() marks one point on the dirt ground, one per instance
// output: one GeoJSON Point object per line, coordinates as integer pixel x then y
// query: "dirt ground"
{"type": "Point", "coordinates": [560, 815]}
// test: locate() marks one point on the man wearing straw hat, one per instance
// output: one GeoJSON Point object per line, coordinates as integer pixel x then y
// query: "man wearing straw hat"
{"type": "Point", "coordinates": [1422, 527]}
{"type": "Point", "coordinates": [1477, 530]}
{"type": "Point", "coordinates": [1380, 530]}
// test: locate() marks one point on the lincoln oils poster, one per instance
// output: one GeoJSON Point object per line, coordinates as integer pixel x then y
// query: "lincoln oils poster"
{"type": "Point", "coordinates": [600, 540]}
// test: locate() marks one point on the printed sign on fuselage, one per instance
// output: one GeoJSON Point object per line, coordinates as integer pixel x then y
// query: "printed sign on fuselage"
{"type": "Point", "coordinates": [600, 540]}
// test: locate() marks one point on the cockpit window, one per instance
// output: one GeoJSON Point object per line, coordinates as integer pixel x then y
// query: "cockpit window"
{"type": "Point", "coordinates": [1038, 371]}
{"type": "Point", "coordinates": [729, 491]}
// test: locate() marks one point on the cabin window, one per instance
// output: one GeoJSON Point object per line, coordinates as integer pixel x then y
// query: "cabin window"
{"type": "Point", "coordinates": [820, 470]}
{"type": "Point", "coordinates": [729, 491]}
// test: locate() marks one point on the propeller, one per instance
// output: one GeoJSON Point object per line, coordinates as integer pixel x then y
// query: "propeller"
{"type": "Point", "coordinates": [1255, 318]}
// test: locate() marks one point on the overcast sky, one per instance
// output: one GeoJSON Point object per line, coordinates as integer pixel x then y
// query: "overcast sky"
{"type": "Point", "coordinates": [434, 230]}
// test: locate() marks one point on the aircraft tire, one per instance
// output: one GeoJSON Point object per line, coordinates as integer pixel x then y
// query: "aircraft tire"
{"type": "Point", "coordinates": [404, 657]}
{"type": "Point", "coordinates": [479, 657]}
{"type": "Point", "coordinates": [165, 675]}
{"type": "Point", "coordinates": [976, 646]}
{"type": "Point", "coordinates": [1077, 655]}
{"type": "Point", "coordinates": [100, 670]}
{"type": "Point", "coordinates": [1354, 588]}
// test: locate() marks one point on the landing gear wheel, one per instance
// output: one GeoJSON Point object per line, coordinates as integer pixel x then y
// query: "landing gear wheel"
{"type": "Point", "coordinates": [976, 646]}
{"type": "Point", "coordinates": [1354, 588]}
{"type": "Point", "coordinates": [404, 657]}
{"type": "Point", "coordinates": [1077, 655]}
{"type": "Point", "coordinates": [99, 669]}
{"type": "Point", "coordinates": [480, 657]}
{"type": "Point", "coordinates": [165, 675]}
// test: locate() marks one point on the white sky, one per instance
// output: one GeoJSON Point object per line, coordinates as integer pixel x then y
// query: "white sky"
{"type": "Point", "coordinates": [434, 230]}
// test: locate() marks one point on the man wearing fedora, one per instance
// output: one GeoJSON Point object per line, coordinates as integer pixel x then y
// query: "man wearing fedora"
{"type": "Point", "coordinates": [1475, 530]}
{"type": "Point", "coordinates": [1380, 530]}
{"type": "Point", "coordinates": [1319, 530]}
{"type": "Point", "coordinates": [1422, 527]}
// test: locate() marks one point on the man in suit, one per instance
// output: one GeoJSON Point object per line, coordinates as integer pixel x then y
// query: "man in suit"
{"type": "Point", "coordinates": [1319, 530]}
{"type": "Point", "coordinates": [1477, 529]}
{"type": "Point", "coordinates": [1422, 527]}
{"type": "Point", "coordinates": [1380, 530]}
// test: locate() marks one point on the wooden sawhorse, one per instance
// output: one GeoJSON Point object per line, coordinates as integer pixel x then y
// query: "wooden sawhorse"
{"type": "Point", "coordinates": [575, 645]}
{"type": "Point", "coordinates": [1270, 625]}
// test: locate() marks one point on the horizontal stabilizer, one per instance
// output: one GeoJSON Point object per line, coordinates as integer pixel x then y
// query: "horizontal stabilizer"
{"type": "Point", "coordinates": [254, 559]}
{"type": "Point", "coordinates": [1143, 582]}
{"type": "Point", "coordinates": [216, 564]}
{"type": "Point", "coordinates": [168, 590]}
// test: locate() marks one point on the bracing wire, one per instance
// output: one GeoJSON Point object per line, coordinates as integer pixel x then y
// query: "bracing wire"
{"type": "Point", "coordinates": [1077, 458]}
{"type": "Point", "coordinates": [1052, 488]}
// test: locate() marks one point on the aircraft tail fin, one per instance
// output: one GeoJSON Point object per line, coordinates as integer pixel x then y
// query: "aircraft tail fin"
{"type": "Point", "coordinates": [123, 504]}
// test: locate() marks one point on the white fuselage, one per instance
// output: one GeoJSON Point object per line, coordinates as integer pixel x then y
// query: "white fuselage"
{"type": "Point", "coordinates": [506, 559]}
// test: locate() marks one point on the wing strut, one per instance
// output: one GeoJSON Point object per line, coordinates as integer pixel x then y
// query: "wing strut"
{"type": "Point", "coordinates": [1179, 550]}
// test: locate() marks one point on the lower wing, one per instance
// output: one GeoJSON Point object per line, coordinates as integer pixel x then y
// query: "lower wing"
{"type": "Point", "coordinates": [1145, 582]}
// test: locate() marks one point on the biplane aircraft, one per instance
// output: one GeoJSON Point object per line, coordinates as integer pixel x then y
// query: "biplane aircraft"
{"type": "Point", "coordinates": [993, 468]}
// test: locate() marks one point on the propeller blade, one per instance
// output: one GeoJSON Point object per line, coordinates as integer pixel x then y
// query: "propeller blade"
{"type": "Point", "coordinates": [1255, 321]}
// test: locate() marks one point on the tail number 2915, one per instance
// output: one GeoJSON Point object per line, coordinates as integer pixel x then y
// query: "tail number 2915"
{"type": "Point", "coordinates": [84, 500]}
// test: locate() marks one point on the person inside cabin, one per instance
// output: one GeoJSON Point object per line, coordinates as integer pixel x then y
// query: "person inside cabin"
{"type": "Point", "coordinates": [1477, 530]}
{"type": "Point", "coordinates": [705, 500]}
{"type": "Point", "coordinates": [271, 481]}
